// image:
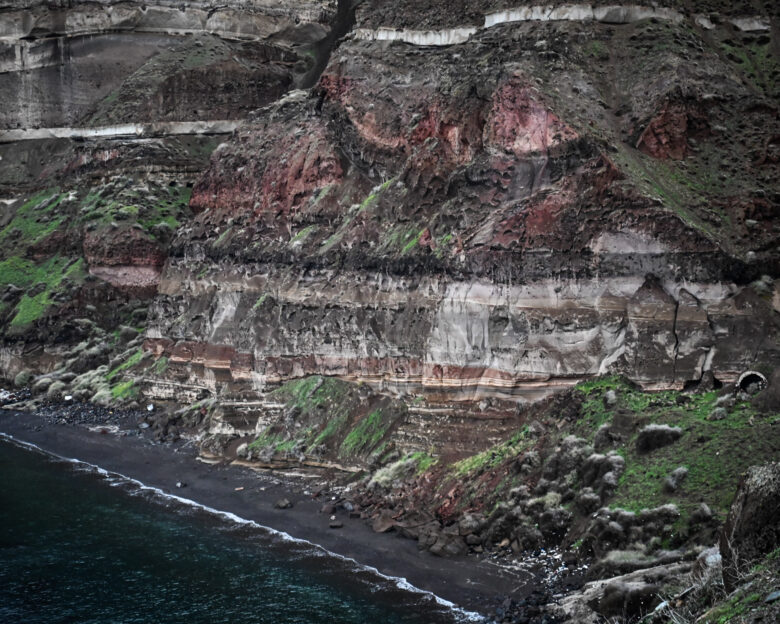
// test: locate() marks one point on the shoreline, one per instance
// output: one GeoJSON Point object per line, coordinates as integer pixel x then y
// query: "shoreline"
{"type": "Point", "coordinates": [468, 583]}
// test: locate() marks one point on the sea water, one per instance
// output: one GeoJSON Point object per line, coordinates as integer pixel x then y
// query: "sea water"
{"type": "Point", "coordinates": [81, 545]}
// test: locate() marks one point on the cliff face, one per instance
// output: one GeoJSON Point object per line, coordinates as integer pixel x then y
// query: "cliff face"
{"type": "Point", "coordinates": [469, 203]}
{"type": "Point", "coordinates": [108, 113]}
{"type": "Point", "coordinates": [546, 201]}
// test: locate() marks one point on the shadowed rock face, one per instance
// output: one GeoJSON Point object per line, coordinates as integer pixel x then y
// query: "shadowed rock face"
{"type": "Point", "coordinates": [751, 530]}
{"type": "Point", "coordinates": [209, 62]}
{"type": "Point", "coordinates": [108, 113]}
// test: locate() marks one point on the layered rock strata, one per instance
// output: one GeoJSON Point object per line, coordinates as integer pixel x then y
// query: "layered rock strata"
{"type": "Point", "coordinates": [57, 63]}
{"type": "Point", "coordinates": [458, 233]}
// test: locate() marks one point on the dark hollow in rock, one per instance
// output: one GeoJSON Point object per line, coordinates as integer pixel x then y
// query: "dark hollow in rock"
{"type": "Point", "coordinates": [752, 382]}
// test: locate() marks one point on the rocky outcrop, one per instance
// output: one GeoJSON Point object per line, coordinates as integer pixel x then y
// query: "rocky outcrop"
{"type": "Point", "coordinates": [626, 597]}
{"type": "Point", "coordinates": [751, 530]}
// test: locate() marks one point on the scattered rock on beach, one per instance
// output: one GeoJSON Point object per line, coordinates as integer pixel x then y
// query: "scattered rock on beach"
{"type": "Point", "coordinates": [383, 522]}
{"type": "Point", "coordinates": [283, 503]}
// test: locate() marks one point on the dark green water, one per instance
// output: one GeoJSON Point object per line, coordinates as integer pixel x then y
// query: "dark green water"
{"type": "Point", "coordinates": [77, 546]}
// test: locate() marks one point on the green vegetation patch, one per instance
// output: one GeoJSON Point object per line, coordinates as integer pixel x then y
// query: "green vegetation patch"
{"type": "Point", "coordinates": [34, 220]}
{"type": "Point", "coordinates": [269, 437]}
{"type": "Point", "coordinates": [161, 365]}
{"type": "Point", "coordinates": [413, 243]}
{"type": "Point", "coordinates": [260, 301]}
{"type": "Point", "coordinates": [124, 201]}
{"type": "Point", "coordinates": [124, 390]}
{"type": "Point", "coordinates": [733, 608]}
{"type": "Point", "coordinates": [596, 49]}
{"type": "Point", "coordinates": [48, 277]}
{"type": "Point", "coordinates": [442, 245]}
{"type": "Point", "coordinates": [134, 359]}
{"type": "Point", "coordinates": [368, 432]}
{"type": "Point", "coordinates": [303, 234]}
{"type": "Point", "coordinates": [757, 62]}
{"type": "Point", "coordinates": [324, 403]}
{"type": "Point", "coordinates": [327, 415]}
{"type": "Point", "coordinates": [353, 212]}
{"type": "Point", "coordinates": [665, 182]}
{"type": "Point", "coordinates": [424, 461]}
{"type": "Point", "coordinates": [715, 452]}
{"type": "Point", "coordinates": [494, 456]}
{"type": "Point", "coordinates": [374, 197]}
{"type": "Point", "coordinates": [402, 238]}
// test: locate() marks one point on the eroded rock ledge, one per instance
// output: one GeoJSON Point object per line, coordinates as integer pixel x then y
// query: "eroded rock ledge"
{"type": "Point", "coordinates": [463, 340]}
{"type": "Point", "coordinates": [615, 14]}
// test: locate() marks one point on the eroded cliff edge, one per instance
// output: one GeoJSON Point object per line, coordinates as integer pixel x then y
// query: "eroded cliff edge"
{"type": "Point", "coordinates": [471, 209]}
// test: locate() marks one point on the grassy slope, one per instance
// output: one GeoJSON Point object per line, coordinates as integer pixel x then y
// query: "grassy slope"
{"type": "Point", "coordinates": [329, 416]}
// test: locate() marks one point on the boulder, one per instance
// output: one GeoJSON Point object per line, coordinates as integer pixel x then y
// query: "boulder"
{"type": "Point", "coordinates": [42, 385]}
{"type": "Point", "coordinates": [654, 437]}
{"type": "Point", "coordinates": [471, 523]}
{"type": "Point", "coordinates": [628, 600]}
{"type": "Point", "coordinates": [583, 606]}
{"type": "Point", "coordinates": [283, 503]}
{"type": "Point", "coordinates": [567, 458]}
{"type": "Point", "coordinates": [751, 529]}
{"type": "Point", "coordinates": [56, 390]}
{"type": "Point", "coordinates": [384, 522]}
{"type": "Point", "coordinates": [448, 544]}
{"type": "Point", "coordinates": [22, 378]}
{"type": "Point", "coordinates": [675, 479]}
{"type": "Point", "coordinates": [605, 438]}
{"type": "Point", "coordinates": [702, 514]}
{"type": "Point", "coordinates": [726, 401]}
{"type": "Point", "coordinates": [587, 500]}
{"type": "Point", "coordinates": [126, 334]}
{"type": "Point", "coordinates": [617, 562]}
{"type": "Point", "coordinates": [554, 523]}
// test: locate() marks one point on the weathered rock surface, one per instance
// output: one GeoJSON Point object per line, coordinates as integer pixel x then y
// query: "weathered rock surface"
{"type": "Point", "coordinates": [58, 62]}
{"type": "Point", "coordinates": [500, 217]}
{"type": "Point", "coordinates": [751, 529]}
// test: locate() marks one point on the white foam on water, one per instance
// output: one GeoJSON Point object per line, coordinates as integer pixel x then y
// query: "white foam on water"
{"type": "Point", "coordinates": [115, 479]}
